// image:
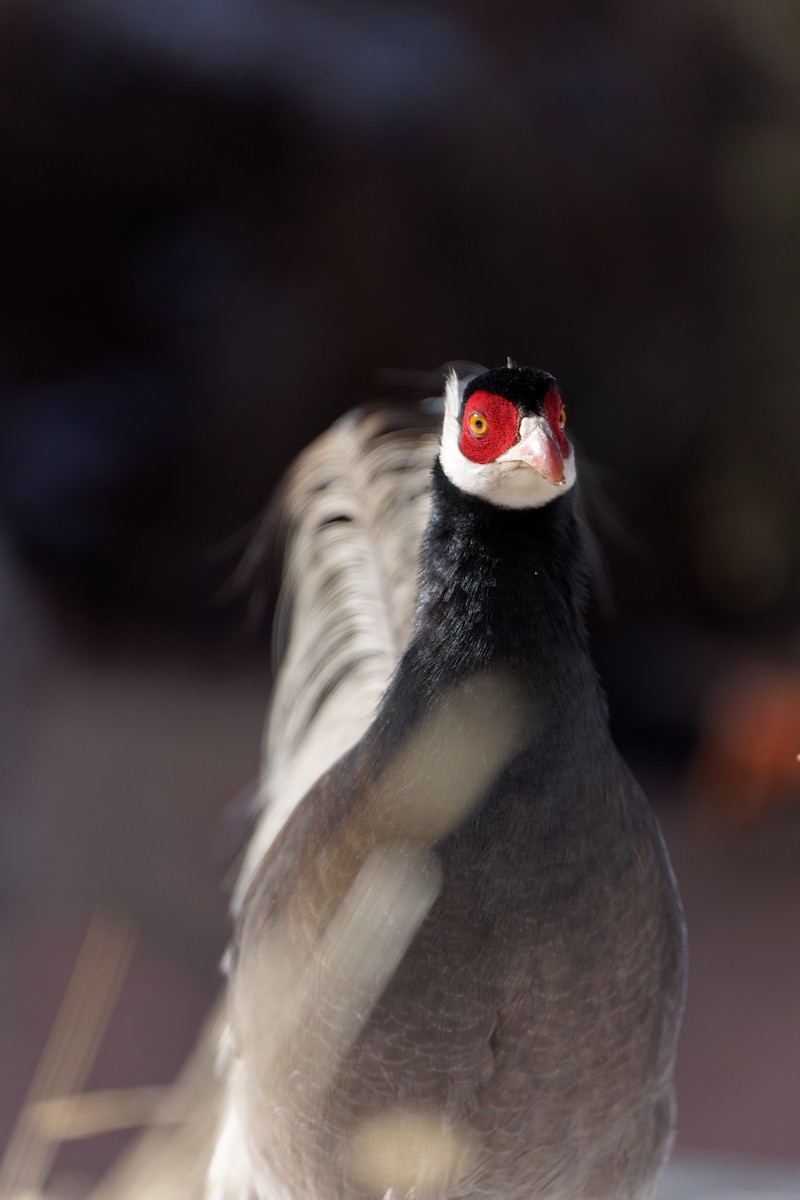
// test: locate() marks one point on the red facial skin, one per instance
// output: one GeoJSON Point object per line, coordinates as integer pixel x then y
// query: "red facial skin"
{"type": "Point", "coordinates": [502, 419]}
{"type": "Point", "coordinates": [553, 407]}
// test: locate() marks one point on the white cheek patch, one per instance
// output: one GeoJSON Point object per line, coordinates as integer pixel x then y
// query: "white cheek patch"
{"type": "Point", "coordinates": [506, 483]}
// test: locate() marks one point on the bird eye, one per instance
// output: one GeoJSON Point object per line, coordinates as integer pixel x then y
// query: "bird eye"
{"type": "Point", "coordinates": [562, 418]}
{"type": "Point", "coordinates": [478, 425]}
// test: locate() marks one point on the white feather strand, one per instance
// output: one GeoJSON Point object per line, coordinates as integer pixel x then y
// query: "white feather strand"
{"type": "Point", "coordinates": [356, 504]}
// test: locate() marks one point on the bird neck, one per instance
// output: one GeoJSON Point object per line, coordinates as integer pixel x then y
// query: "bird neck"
{"type": "Point", "coordinates": [501, 597]}
{"type": "Point", "coordinates": [501, 586]}
{"type": "Point", "coordinates": [499, 623]}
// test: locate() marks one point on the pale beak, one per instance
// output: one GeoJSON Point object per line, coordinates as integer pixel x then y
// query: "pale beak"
{"type": "Point", "coordinates": [537, 448]}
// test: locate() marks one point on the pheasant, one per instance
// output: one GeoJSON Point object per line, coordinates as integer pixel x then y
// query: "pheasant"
{"type": "Point", "coordinates": [458, 963]}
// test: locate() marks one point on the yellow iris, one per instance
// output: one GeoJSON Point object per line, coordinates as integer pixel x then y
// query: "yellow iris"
{"type": "Point", "coordinates": [478, 425]}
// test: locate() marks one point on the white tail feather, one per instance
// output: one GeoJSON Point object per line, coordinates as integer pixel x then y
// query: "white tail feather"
{"type": "Point", "coordinates": [356, 504]}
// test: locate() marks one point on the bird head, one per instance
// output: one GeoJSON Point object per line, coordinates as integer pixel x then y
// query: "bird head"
{"type": "Point", "coordinates": [504, 439]}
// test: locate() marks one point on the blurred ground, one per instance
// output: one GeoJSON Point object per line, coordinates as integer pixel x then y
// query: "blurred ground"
{"type": "Point", "coordinates": [693, 1177]}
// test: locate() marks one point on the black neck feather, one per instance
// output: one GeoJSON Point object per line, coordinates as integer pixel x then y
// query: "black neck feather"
{"type": "Point", "coordinates": [503, 590]}
{"type": "Point", "coordinates": [500, 586]}
{"type": "Point", "coordinates": [500, 589]}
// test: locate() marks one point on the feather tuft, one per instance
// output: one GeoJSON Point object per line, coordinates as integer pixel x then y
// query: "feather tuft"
{"type": "Point", "coordinates": [354, 507]}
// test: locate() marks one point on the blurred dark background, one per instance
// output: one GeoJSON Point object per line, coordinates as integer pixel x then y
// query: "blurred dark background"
{"type": "Point", "coordinates": [222, 223]}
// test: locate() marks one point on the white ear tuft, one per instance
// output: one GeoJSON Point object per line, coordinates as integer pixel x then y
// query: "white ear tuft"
{"type": "Point", "coordinates": [453, 391]}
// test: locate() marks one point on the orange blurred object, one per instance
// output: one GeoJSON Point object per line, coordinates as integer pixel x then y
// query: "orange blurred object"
{"type": "Point", "coordinates": [748, 762]}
